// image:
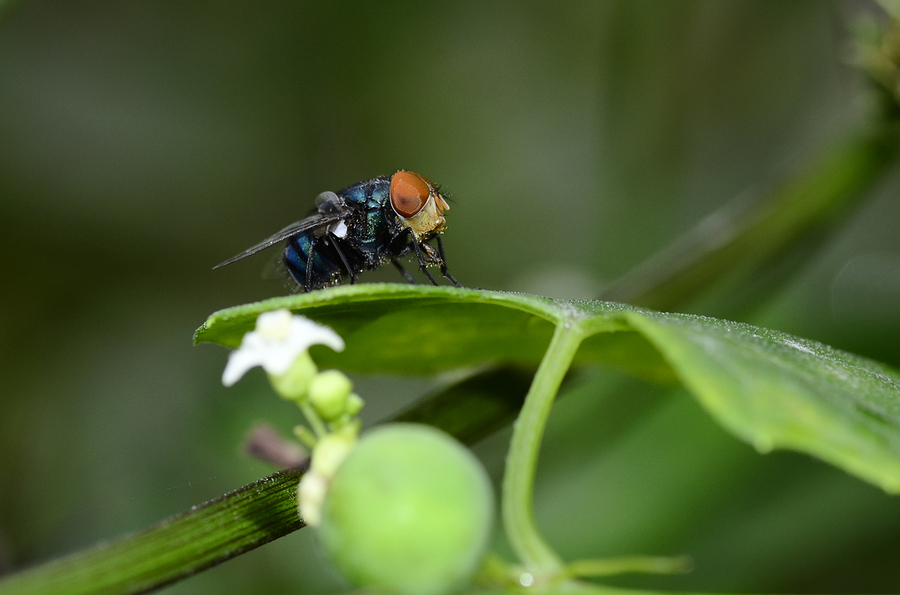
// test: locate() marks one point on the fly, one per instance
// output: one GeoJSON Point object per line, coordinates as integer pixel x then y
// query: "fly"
{"type": "Point", "coordinates": [361, 228]}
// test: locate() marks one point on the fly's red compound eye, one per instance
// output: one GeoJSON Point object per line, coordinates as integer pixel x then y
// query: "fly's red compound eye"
{"type": "Point", "coordinates": [409, 193]}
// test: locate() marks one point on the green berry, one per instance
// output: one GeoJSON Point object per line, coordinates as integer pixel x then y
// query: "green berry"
{"type": "Point", "coordinates": [409, 512]}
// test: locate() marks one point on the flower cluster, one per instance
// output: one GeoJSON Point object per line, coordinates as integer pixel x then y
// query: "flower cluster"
{"type": "Point", "coordinates": [401, 492]}
{"type": "Point", "coordinates": [280, 345]}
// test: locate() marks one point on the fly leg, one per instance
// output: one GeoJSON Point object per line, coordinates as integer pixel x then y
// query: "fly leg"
{"type": "Point", "coordinates": [444, 272]}
{"type": "Point", "coordinates": [403, 272]}
{"type": "Point", "coordinates": [340, 252]}
{"type": "Point", "coordinates": [422, 262]}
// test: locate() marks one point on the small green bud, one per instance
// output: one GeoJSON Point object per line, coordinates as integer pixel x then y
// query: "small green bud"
{"type": "Point", "coordinates": [294, 384]}
{"type": "Point", "coordinates": [409, 512]}
{"type": "Point", "coordinates": [354, 405]}
{"type": "Point", "coordinates": [328, 392]}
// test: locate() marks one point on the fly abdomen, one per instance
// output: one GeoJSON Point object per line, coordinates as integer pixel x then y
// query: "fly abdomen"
{"type": "Point", "coordinates": [326, 267]}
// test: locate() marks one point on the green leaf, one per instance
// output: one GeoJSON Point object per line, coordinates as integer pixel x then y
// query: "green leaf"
{"type": "Point", "coordinates": [766, 387]}
{"type": "Point", "coordinates": [175, 548]}
{"type": "Point", "coordinates": [407, 329]}
{"type": "Point", "coordinates": [778, 391]}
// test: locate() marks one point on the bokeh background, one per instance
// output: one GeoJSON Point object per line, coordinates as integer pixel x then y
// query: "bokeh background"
{"type": "Point", "coordinates": [143, 142]}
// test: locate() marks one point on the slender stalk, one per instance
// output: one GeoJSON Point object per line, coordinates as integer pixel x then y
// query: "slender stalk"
{"type": "Point", "coordinates": [315, 422]}
{"type": "Point", "coordinates": [610, 566]}
{"type": "Point", "coordinates": [518, 482]}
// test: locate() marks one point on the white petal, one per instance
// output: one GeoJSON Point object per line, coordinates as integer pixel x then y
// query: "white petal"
{"type": "Point", "coordinates": [278, 358]}
{"type": "Point", "coordinates": [276, 343]}
{"type": "Point", "coordinates": [239, 361]}
{"type": "Point", "coordinates": [308, 333]}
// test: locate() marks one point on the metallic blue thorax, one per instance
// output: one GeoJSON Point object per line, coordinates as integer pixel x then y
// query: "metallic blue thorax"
{"type": "Point", "coordinates": [374, 231]}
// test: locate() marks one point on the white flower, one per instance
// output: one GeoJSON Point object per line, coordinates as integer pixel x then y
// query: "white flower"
{"type": "Point", "coordinates": [276, 343]}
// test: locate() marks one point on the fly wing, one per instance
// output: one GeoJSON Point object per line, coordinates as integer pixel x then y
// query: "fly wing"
{"type": "Point", "coordinates": [311, 222]}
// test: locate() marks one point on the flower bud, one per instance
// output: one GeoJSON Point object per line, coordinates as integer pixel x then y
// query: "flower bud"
{"type": "Point", "coordinates": [328, 392]}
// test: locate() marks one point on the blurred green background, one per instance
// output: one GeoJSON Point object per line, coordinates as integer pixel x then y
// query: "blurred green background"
{"type": "Point", "coordinates": [143, 142]}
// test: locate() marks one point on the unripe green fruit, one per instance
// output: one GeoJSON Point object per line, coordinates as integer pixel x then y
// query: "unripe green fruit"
{"type": "Point", "coordinates": [409, 512]}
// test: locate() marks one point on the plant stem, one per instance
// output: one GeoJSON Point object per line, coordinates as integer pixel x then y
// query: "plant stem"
{"type": "Point", "coordinates": [610, 566]}
{"type": "Point", "coordinates": [315, 422]}
{"type": "Point", "coordinates": [518, 482]}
